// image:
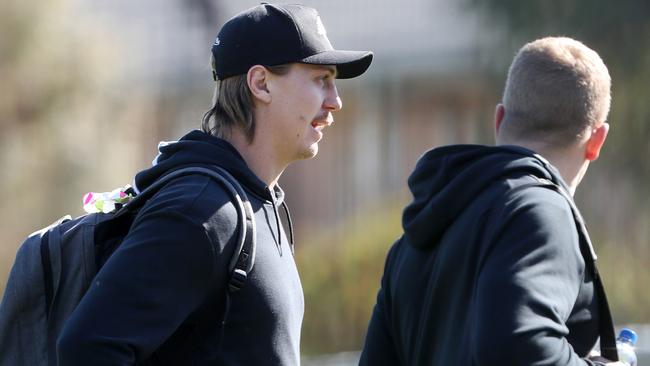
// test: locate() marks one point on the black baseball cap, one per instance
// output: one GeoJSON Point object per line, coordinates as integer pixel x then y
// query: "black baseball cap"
{"type": "Point", "coordinates": [270, 34]}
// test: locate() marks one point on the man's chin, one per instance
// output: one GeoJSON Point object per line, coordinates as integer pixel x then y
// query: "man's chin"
{"type": "Point", "coordinates": [310, 152]}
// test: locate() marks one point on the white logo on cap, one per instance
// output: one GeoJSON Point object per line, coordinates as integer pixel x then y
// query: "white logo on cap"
{"type": "Point", "coordinates": [320, 28]}
{"type": "Point", "coordinates": [217, 42]}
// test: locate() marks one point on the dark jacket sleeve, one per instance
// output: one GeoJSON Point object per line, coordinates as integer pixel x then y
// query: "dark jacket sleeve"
{"type": "Point", "coordinates": [158, 276]}
{"type": "Point", "coordinates": [528, 285]}
{"type": "Point", "coordinates": [379, 348]}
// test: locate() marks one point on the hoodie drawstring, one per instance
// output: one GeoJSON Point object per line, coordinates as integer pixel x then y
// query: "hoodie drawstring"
{"type": "Point", "coordinates": [291, 242]}
{"type": "Point", "coordinates": [277, 221]}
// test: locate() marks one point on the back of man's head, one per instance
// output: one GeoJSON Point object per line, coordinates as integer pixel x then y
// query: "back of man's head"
{"type": "Point", "coordinates": [557, 88]}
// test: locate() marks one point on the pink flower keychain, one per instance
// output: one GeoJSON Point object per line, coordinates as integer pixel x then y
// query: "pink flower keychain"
{"type": "Point", "coordinates": [107, 201]}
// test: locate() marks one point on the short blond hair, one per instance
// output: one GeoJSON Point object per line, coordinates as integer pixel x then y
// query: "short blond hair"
{"type": "Point", "coordinates": [557, 88]}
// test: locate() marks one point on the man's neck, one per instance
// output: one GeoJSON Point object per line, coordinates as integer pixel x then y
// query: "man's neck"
{"type": "Point", "coordinates": [570, 162]}
{"type": "Point", "coordinates": [572, 169]}
{"type": "Point", "coordinates": [259, 157]}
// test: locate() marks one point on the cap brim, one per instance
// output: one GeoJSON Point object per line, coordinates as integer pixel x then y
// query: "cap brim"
{"type": "Point", "coordinates": [349, 64]}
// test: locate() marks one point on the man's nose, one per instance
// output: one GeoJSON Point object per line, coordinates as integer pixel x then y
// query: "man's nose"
{"type": "Point", "coordinates": [333, 102]}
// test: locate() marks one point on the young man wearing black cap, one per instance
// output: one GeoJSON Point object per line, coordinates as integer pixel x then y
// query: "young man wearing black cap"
{"type": "Point", "coordinates": [161, 297]}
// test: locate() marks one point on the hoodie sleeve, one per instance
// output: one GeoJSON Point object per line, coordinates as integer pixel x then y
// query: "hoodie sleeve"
{"type": "Point", "coordinates": [160, 274]}
{"type": "Point", "coordinates": [528, 285]}
{"type": "Point", "coordinates": [379, 348]}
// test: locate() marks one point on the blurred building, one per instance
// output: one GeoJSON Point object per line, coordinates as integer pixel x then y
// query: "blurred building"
{"type": "Point", "coordinates": [115, 77]}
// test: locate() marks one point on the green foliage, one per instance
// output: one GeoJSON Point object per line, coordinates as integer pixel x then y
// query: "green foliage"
{"type": "Point", "coordinates": [601, 21]}
{"type": "Point", "coordinates": [625, 270]}
{"type": "Point", "coordinates": [340, 271]}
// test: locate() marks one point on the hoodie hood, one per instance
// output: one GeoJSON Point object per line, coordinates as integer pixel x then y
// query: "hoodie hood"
{"type": "Point", "coordinates": [446, 180]}
{"type": "Point", "coordinates": [200, 148]}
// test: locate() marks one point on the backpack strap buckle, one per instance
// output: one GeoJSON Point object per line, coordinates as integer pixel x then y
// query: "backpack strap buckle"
{"type": "Point", "coordinates": [237, 280]}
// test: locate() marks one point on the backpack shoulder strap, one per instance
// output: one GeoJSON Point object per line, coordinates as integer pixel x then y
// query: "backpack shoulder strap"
{"type": "Point", "coordinates": [242, 262]}
{"type": "Point", "coordinates": [244, 258]}
{"type": "Point", "coordinates": [606, 323]}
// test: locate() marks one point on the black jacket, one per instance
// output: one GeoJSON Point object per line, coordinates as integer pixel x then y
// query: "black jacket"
{"type": "Point", "coordinates": [485, 273]}
{"type": "Point", "coordinates": [160, 298]}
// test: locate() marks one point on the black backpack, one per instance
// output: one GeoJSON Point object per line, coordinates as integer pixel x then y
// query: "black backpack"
{"type": "Point", "coordinates": [55, 266]}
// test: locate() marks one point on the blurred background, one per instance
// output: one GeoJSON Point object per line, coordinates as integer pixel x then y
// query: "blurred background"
{"type": "Point", "coordinates": [90, 87]}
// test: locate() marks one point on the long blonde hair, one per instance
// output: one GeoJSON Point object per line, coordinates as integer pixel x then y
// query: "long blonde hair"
{"type": "Point", "coordinates": [232, 105]}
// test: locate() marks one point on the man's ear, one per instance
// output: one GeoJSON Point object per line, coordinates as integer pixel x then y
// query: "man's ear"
{"type": "Point", "coordinates": [257, 79]}
{"type": "Point", "coordinates": [596, 141]}
{"type": "Point", "coordinates": [499, 113]}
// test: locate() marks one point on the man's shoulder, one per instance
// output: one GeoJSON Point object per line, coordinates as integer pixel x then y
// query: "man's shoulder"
{"type": "Point", "coordinates": [531, 199]}
{"type": "Point", "coordinates": [539, 206]}
{"type": "Point", "coordinates": [533, 189]}
{"type": "Point", "coordinates": [197, 196]}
